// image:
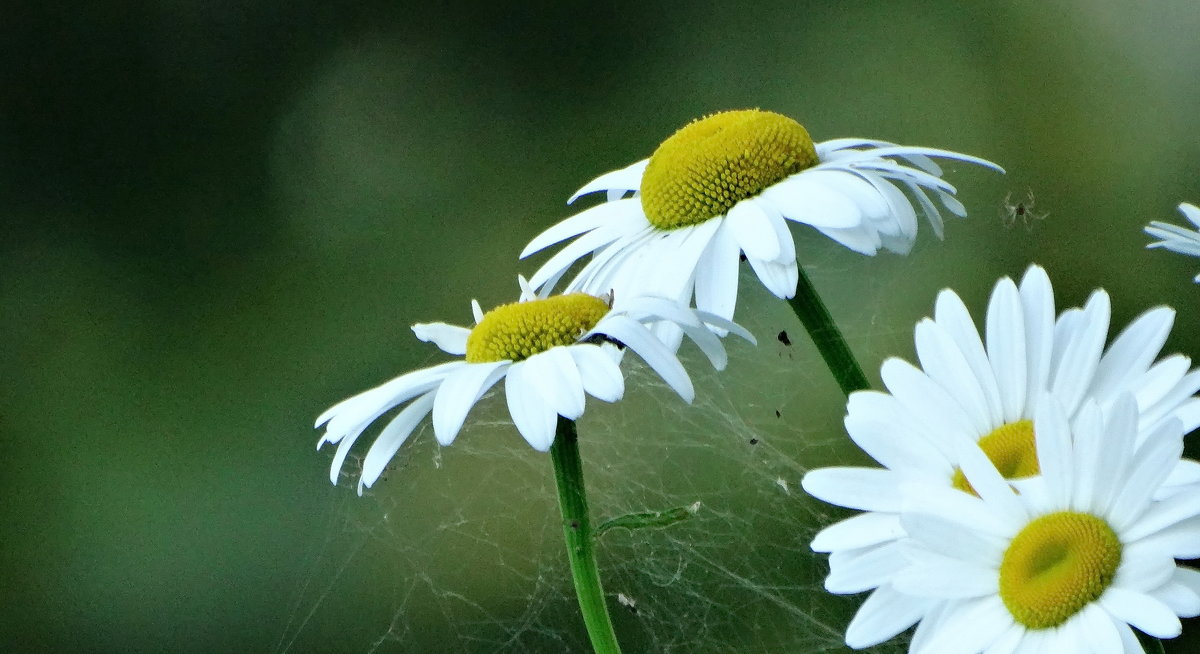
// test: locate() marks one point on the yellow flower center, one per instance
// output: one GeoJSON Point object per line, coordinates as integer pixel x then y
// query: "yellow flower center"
{"type": "Point", "coordinates": [715, 162]}
{"type": "Point", "coordinates": [1012, 450]}
{"type": "Point", "coordinates": [1058, 564]}
{"type": "Point", "coordinates": [520, 330]}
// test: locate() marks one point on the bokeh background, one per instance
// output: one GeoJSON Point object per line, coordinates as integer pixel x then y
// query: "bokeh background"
{"type": "Point", "coordinates": [218, 218]}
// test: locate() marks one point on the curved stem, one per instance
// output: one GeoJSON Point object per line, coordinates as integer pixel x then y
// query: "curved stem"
{"type": "Point", "coordinates": [812, 312]}
{"type": "Point", "coordinates": [577, 529]}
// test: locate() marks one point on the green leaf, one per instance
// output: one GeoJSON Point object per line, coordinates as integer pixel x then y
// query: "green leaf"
{"type": "Point", "coordinates": [632, 521]}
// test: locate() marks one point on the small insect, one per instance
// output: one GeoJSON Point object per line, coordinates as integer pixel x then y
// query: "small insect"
{"type": "Point", "coordinates": [1023, 211]}
{"type": "Point", "coordinates": [783, 338]}
{"type": "Point", "coordinates": [628, 602]}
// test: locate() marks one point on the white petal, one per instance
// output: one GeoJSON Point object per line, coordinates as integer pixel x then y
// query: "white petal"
{"type": "Point", "coordinates": [1141, 611]}
{"type": "Point", "coordinates": [1006, 347]}
{"type": "Point", "coordinates": [1110, 471]}
{"type": "Point", "coordinates": [779, 278]}
{"type": "Point", "coordinates": [1152, 463]}
{"type": "Point", "coordinates": [628, 178]}
{"type": "Point", "coordinates": [990, 486]}
{"type": "Point", "coordinates": [946, 578]}
{"type": "Point", "coordinates": [1037, 306]}
{"type": "Point", "coordinates": [353, 410]}
{"type": "Point", "coordinates": [717, 275]}
{"type": "Point", "coordinates": [391, 438]}
{"type": "Point", "coordinates": [1132, 352]}
{"type": "Point", "coordinates": [1185, 473]}
{"type": "Point", "coordinates": [952, 315]}
{"type": "Point", "coordinates": [955, 506]}
{"type": "Point", "coordinates": [533, 417]}
{"type": "Point", "coordinates": [883, 615]}
{"type": "Point", "coordinates": [1177, 402]}
{"type": "Point", "coordinates": [459, 393]}
{"type": "Point", "coordinates": [1129, 641]}
{"type": "Point", "coordinates": [1053, 444]}
{"type": "Point", "coordinates": [554, 373]}
{"type": "Point", "coordinates": [1181, 600]}
{"type": "Point", "coordinates": [1008, 642]}
{"type": "Point", "coordinates": [1182, 593]}
{"type": "Point", "coordinates": [751, 226]}
{"type": "Point", "coordinates": [857, 571]}
{"type": "Point", "coordinates": [862, 530]}
{"type": "Point", "coordinates": [1096, 631]}
{"type": "Point", "coordinates": [950, 539]}
{"type": "Point", "coordinates": [585, 221]}
{"type": "Point", "coordinates": [970, 626]}
{"type": "Point", "coordinates": [863, 239]}
{"type": "Point", "coordinates": [599, 371]}
{"type": "Point", "coordinates": [651, 350]}
{"type": "Point", "coordinates": [946, 365]}
{"type": "Point", "coordinates": [783, 231]}
{"type": "Point", "coordinates": [1162, 514]}
{"type": "Point", "coordinates": [717, 322]}
{"type": "Point", "coordinates": [1144, 567]}
{"type": "Point", "coordinates": [452, 339]}
{"type": "Point", "coordinates": [1181, 539]}
{"type": "Point", "coordinates": [1075, 369]}
{"type": "Point", "coordinates": [866, 489]}
{"type": "Point", "coordinates": [928, 402]}
{"type": "Point", "coordinates": [890, 439]}
{"type": "Point", "coordinates": [931, 211]}
{"type": "Point", "coordinates": [806, 198]}
{"type": "Point", "coordinates": [1091, 449]}
{"type": "Point", "coordinates": [625, 217]}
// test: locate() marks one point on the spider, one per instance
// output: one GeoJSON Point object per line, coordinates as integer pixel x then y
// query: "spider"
{"type": "Point", "coordinates": [1023, 211]}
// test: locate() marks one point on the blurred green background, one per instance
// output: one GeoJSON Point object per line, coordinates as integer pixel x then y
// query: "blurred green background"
{"type": "Point", "coordinates": [219, 218]}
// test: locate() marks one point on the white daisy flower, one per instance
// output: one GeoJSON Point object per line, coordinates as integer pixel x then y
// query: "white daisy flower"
{"type": "Point", "coordinates": [725, 186]}
{"type": "Point", "coordinates": [1072, 562]}
{"type": "Point", "coordinates": [550, 352]}
{"type": "Point", "coordinates": [1176, 238]}
{"type": "Point", "coordinates": [969, 392]}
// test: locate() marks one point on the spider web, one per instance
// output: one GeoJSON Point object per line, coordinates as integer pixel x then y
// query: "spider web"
{"type": "Point", "coordinates": [461, 549]}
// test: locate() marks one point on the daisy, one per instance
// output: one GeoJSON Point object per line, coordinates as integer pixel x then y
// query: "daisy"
{"type": "Point", "coordinates": [1069, 564]}
{"type": "Point", "coordinates": [724, 187]}
{"type": "Point", "coordinates": [1176, 238]}
{"type": "Point", "coordinates": [550, 352]}
{"type": "Point", "coordinates": [969, 392]}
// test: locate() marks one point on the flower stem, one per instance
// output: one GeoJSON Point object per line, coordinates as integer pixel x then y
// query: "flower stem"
{"type": "Point", "coordinates": [812, 312]}
{"type": "Point", "coordinates": [572, 499]}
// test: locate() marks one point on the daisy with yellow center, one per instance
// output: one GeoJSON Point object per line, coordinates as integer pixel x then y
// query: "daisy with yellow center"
{"type": "Point", "coordinates": [1082, 554]}
{"type": "Point", "coordinates": [985, 395]}
{"type": "Point", "coordinates": [1176, 238]}
{"type": "Point", "coordinates": [726, 186]}
{"type": "Point", "coordinates": [550, 352]}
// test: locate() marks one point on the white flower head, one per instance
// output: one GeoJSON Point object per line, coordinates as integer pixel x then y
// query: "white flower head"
{"type": "Point", "coordinates": [1069, 564]}
{"type": "Point", "coordinates": [725, 186]}
{"type": "Point", "coordinates": [550, 351]}
{"type": "Point", "coordinates": [1176, 238]}
{"type": "Point", "coordinates": [986, 396]}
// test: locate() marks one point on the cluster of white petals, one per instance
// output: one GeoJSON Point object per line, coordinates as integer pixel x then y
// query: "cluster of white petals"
{"type": "Point", "coordinates": [538, 389]}
{"type": "Point", "coordinates": [930, 423]}
{"type": "Point", "coordinates": [860, 194]}
{"type": "Point", "coordinates": [1176, 238]}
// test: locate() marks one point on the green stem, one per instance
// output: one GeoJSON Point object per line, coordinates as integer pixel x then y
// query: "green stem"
{"type": "Point", "coordinates": [812, 312]}
{"type": "Point", "coordinates": [568, 474]}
